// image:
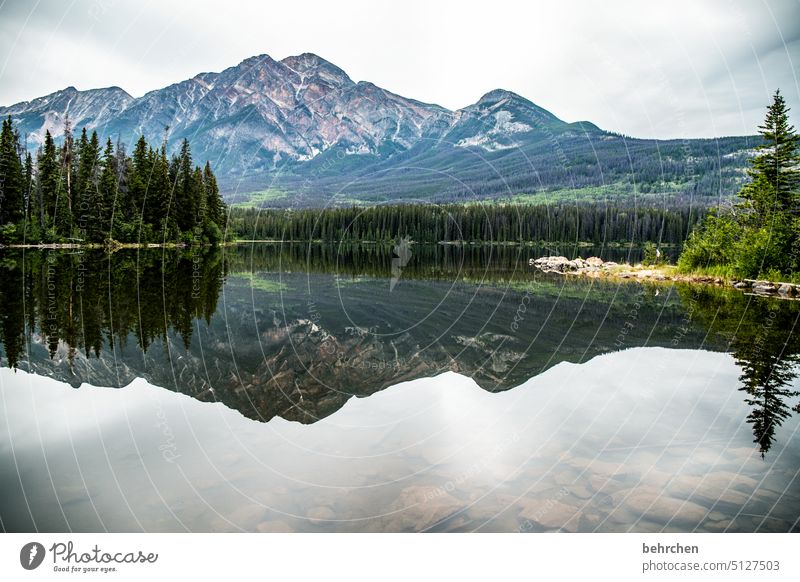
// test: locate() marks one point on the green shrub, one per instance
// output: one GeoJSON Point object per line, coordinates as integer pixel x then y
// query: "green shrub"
{"type": "Point", "coordinates": [710, 245]}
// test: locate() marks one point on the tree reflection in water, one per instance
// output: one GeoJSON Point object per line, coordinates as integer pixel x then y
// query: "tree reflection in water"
{"type": "Point", "coordinates": [761, 332]}
{"type": "Point", "coordinates": [266, 354]}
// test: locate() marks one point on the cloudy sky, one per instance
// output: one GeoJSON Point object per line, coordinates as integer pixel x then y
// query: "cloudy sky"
{"type": "Point", "coordinates": [675, 68]}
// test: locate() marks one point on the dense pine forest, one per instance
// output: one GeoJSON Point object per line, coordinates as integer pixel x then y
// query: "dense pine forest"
{"type": "Point", "coordinates": [83, 192]}
{"type": "Point", "coordinates": [594, 223]}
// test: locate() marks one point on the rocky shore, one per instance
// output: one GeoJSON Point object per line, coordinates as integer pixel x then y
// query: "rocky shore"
{"type": "Point", "coordinates": [595, 267]}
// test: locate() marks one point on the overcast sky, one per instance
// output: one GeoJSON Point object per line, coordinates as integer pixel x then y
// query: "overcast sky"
{"type": "Point", "coordinates": [673, 68]}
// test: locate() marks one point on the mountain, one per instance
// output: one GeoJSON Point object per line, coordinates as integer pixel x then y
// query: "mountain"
{"type": "Point", "coordinates": [92, 109]}
{"type": "Point", "coordinates": [303, 130]}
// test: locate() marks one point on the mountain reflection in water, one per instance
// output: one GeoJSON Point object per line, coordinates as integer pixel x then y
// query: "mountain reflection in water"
{"type": "Point", "coordinates": [296, 331]}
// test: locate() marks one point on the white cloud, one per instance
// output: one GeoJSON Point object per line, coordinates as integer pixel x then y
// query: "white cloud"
{"type": "Point", "coordinates": [672, 69]}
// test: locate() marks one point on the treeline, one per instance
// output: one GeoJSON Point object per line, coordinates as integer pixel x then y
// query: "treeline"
{"type": "Point", "coordinates": [81, 191]}
{"type": "Point", "coordinates": [470, 223]}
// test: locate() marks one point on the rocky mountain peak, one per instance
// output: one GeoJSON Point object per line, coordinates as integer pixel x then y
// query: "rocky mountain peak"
{"type": "Point", "coordinates": [496, 95]}
{"type": "Point", "coordinates": [261, 114]}
{"type": "Point", "coordinates": [308, 64]}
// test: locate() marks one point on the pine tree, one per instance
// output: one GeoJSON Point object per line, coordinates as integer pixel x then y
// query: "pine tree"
{"type": "Point", "coordinates": [107, 190]}
{"type": "Point", "coordinates": [85, 211]}
{"type": "Point", "coordinates": [48, 180]}
{"type": "Point", "coordinates": [159, 193]}
{"type": "Point", "coordinates": [186, 195]}
{"type": "Point", "coordinates": [215, 207]}
{"type": "Point", "coordinates": [765, 239]}
{"type": "Point", "coordinates": [30, 201]}
{"type": "Point", "coordinates": [62, 213]}
{"type": "Point", "coordinates": [137, 188]}
{"type": "Point", "coordinates": [12, 177]}
{"type": "Point", "coordinates": [77, 191]}
{"type": "Point", "coordinates": [774, 172]}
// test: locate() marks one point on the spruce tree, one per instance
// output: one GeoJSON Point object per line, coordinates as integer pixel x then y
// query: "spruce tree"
{"type": "Point", "coordinates": [12, 177]}
{"type": "Point", "coordinates": [30, 201]}
{"type": "Point", "coordinates": [62, 213]}
{"type": "Point", "coordinates": [774, 171]}
{"type": "Point", "coordinates": [137, 187]}
{"type": "Point", "coordinates": [107, 190]}
{"type": "Point", "coordinates": [85, 211]}
{"type": "Point", "coordinates": [215, 207]}
{"type": "Point", "coordinates": [48, 180]}
{"type": "Point", "coordinates": [186, 194]}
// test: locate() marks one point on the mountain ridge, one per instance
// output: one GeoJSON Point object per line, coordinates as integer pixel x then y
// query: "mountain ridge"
{"type": "Point", "coordinates": [265, 123]}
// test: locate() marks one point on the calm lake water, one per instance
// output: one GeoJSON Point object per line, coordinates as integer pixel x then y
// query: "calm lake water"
{"type": "Point", "coordinates": [365, 388]}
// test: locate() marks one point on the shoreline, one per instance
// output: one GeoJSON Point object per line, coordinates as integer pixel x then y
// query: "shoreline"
{"type": "Point", "coordinates": [111, 247]}
{"type": "Point", "coordinates": [179, 245]}
{"type": "Point", "coordinates": [596, 268]}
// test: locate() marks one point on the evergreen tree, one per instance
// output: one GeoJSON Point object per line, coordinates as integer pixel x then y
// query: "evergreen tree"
{"type": "Point", "coordinates": [764, 240]}
{"type": "Point", "coordinates": [159, 193]}
{"type": "Point", "coordinates": [12, 177]}
{"type": "Point", "coordinates": [141, 174]}
{"type": "Point", "coordinates": [187, 196]}
{"type": "Point", "coordinates": [48, 178]}
{"type": "Point", "coordinates": [77, 191]}
{"type": "Point", "coordinates": [216, 212]}
{"type": "Point", "coordinates": [30, 202]}
{"type": "Point", "coordinates": [85, 211]}
{"type": "Point", "coordinates": [774, 172]}
{"type": "Point", "coordinates": [62, 214]}
{"type": "Point", "coordinates": [107, 190]}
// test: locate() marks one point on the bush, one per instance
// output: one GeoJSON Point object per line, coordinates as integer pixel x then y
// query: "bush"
{"type": "Point", "coordinates": [766, 251]}
{"type": "Point", "coordinates": [9, 234]}
{"type": "Point", "coordinates": [212, 233]}
{"type": "Point", "coordinates": [711, 245]}
{"type": "Point", "coordinates": [651, 254]}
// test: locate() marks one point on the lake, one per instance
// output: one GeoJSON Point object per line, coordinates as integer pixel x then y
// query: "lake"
{"type": "Point", "coordinates": [274, 387]}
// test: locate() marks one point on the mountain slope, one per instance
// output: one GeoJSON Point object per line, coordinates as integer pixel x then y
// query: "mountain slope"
{"type": "Point", "coordinates": [303, 127]}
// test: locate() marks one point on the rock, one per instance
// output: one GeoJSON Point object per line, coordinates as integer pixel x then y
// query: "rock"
{"type": "Point", "coordinates": [558, 264]}
{"type": "Point", "coordinates": [654, 504]}
{"type": "Point", "coordinates": [594, 262]}
{"type": "Point", "coordinates": [551, 514]}
{"type": "Point", "coordinates": [764, 287]}
{"type": "Point", "coordinates": [320, 514]}
{"type": "Point", "coordinates": [785, 289]}
{"type": "Point", "coordinates": [274, 527]}
{"type": "Point", "coordinates": [741, 285]}
{"type": "Point", "coordinates": [419, 507]}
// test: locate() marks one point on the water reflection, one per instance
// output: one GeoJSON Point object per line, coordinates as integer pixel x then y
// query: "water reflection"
{"type": "Point", "coordinates": [620, 443]}
{"type": "Point", "coordinates": [762, 335]}
{"type": "Point", "coordinates": [296, 331]}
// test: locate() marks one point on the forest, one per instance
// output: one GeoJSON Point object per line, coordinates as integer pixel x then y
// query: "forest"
{"type": "Point", "coordinates": [497, 223]}
{"type": "Point", "coordinates": [82, 192]}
